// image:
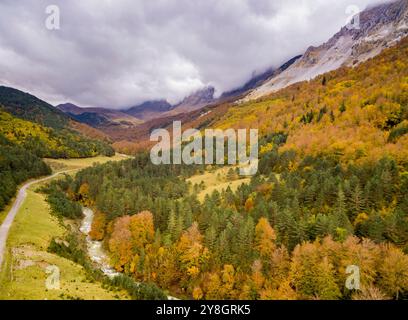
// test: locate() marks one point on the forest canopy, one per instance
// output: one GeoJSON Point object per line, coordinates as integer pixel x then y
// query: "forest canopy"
{"type": "Point", "coordinates": [288, 234]}
{"type": "Point", "coordinates": [17, 164]}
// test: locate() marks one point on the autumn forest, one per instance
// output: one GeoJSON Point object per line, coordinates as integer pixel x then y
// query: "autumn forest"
{"type": "Point", "coordinates": [88, 209]}
{"type": "Point", "coordinates": [330, 192]}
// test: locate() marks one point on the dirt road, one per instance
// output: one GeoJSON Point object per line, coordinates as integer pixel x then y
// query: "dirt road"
{"type": "Point", "coordinates": [5, 227]}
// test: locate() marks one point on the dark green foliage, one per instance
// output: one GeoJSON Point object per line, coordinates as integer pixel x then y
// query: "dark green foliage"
{"type": "Point", "coordinates": [138, 291]}
{"type": "Point", "coordinates": [91, 118]}
{"type": "Point", "coordinates": [63, 207]}
{"type": "Point", "coordinates": [307, 118]}
{"type": "Point", "coordinates": [60, 204]}
{"type": "Point", "coordinates": [28, 107]}
{"type": "Point", "coordinates": [131, 186]}
{"type": "Point", "coordinates": [73, 248]}
{"type": "Point", "coordinates": [342, 107]}
{"type": "Point", "coordinates": [319, 197]}
{"type": "Point", "coordinates": [398, 131]}
{"type": "Point", "coordinates": [322, 112]}
{"type": "Point", "coordinates": [17, 165]}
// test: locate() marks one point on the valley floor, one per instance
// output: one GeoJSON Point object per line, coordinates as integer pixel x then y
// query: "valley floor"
{"type": "Point", "coordinates": [23, 273]}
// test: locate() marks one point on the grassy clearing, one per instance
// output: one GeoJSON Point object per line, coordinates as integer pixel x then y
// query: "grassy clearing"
{"type": "Point", "coordinates": [23, 274]}
{"type": "Point", "coordinates": [71, 164]}
{"type": "Point", "coordinates": [217, 180]}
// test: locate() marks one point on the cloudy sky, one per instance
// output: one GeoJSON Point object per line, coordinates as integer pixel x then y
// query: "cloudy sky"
{"type": "Point", "coordinates": [119, 53]}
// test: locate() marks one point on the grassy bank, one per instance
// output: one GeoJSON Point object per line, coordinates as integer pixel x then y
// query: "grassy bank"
{"type": "Point", "coordinates": [23, 274]}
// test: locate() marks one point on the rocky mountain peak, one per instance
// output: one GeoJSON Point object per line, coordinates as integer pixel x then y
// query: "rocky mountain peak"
{"type": "Point", "coordinates": [379, 27]}
{"type": "Point", "coordinates": [199, 97]}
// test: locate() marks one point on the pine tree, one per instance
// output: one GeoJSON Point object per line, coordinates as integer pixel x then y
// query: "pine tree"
{"type": "Point", "coordinates": [211, 238]}
{"type": "Point", "coordinates": [340, 215]}
{"type": "Point", "coordinates": [172, 226]}
{"type": "Point", "coordinates": [357, 202]}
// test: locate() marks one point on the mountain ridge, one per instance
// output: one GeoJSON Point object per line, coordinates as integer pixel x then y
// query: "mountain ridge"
{"type": "Point", "coordinates": [95, 116]}
{"type": "Point", "coordinates": [149, 109]}
{"type": "Point", "coordinates": [259, 79]}
{"type": "Point", "coordinates": [379, 27]}
{"type": "Point", "coordinates": [22, 112]}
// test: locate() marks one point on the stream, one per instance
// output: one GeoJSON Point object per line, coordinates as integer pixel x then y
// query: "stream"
{"type": "Point", "coordinates": [95, 249]}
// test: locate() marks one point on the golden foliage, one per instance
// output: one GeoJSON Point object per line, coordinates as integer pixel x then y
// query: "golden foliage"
{"type": "Point", "coordinates": [350, 116]}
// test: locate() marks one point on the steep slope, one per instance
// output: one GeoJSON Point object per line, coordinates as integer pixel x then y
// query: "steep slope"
{"type": "Point", "coordinates": [379, 27]}
{"type": "Point", "coordinates": [49, 142]}
{"type": "Point", "coordinates": [70, 108]}
{"type": "Point", "coordinates": [332, 182]}
{"type": "Point", "coordinates": [45, 130]}
{"type": "Point", "coordinates": [195, 101]}
{"type": "Point", "coordinates": [259, 79]}
{"type": "Point", "coordinates": [136, 139]}
{"type": "Point", "coordinates": [28, 107]}
{"type": "Point", "coordinates": [355, 114]}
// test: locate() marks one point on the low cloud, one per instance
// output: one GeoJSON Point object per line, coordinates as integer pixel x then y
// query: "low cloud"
{"type": "Point", "coordinates": [120, 53]}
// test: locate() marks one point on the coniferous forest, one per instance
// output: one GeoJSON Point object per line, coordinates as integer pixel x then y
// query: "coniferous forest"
{"type": "Point", "coordinates": [17, 165]}
{"type": "Point", "coordinates": [289, 234]}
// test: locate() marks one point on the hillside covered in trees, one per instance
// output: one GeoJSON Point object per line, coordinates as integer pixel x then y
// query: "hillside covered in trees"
{"type": "Point", "coordinates": [29, 107]}
{"type": "Point", "coordinates": [46, 130]}
{"type": "Point", "coordinates": [30, 129]}
{"type": "Point", "coordinates": [355, 114]}
{"type": "Point", "coordinates": [17, 164]}
{"type": "Point", "coordinates": [48, 142]}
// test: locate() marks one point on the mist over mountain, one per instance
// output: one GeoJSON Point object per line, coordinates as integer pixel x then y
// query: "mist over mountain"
{"type": "Point", "coordinates": [157, 50]}
{"type": "Point", "coordinates": [376, 28]}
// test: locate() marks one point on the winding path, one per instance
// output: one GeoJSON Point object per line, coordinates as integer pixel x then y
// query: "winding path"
{"type": "Point", "coordinates": [22, 193]}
